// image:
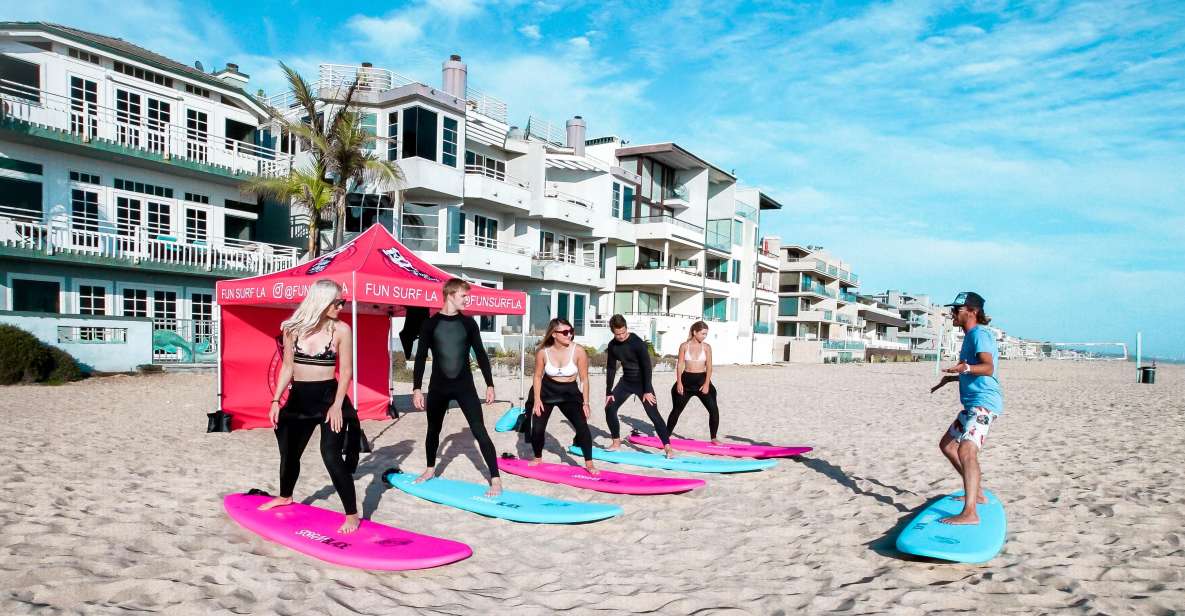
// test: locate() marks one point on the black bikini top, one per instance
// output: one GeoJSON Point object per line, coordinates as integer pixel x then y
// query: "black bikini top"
{"type": "Point", "coordinates": [327, 357]}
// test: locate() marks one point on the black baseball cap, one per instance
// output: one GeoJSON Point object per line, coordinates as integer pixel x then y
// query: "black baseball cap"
{"type": "Point", "coordinates": [970, 299]}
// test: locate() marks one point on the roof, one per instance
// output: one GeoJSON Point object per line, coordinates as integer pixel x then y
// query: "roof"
{"type": "Point", "coordinates": [768, 202]}
{"type": "Point", "coordinates": [120, 46]}
{"type": "Point", "coordinates": [377, 271]}
{"type": "Point", "coordinates": [672, 154]}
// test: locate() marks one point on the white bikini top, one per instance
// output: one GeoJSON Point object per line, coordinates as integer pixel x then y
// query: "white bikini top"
{"type": "Point", "coordinates": [568, 369]}
{"type": "Point", "coordinates": [703, 355]}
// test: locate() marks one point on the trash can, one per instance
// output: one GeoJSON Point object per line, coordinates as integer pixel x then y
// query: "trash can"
{"type": "Point", "coordinates": [1148, 374]}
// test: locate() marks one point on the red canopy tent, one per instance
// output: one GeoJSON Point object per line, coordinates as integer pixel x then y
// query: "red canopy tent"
{"type": "Point", "coordinates": [380, 278]}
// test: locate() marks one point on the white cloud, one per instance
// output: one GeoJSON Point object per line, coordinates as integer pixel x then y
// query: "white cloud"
{"type": "Point", "coordinates": [531, 31]}
{"type": "Point", "coordinates": [580, 43]}
{"type": "Point", "coordinates": [388, 34]}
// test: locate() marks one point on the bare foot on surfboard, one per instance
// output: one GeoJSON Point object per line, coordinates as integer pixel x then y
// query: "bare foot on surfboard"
{"type": "Point", "coordinates": [425, 476]}
{"type": "Point", "coordinates": [670, 452]}
{"type": "Point", "coordinates": [495, 488]}
{"type": "Point", "coordinates": [982, 500]}
{"type": "Point", "coordinates": [592, 470]}
{"type": "Point", "coordinates": [278, 501]}
{"type": "Point", "coordinates": [350, 525]}
{"type": "Point", "coordinates": [963, 519]}
{"type": "Point", "coordinates": [535, 462]}
{"type": "Point", "coordinates": [614, 446]}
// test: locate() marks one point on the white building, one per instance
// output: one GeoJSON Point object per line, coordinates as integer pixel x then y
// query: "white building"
{"type": "Point", "coordinates": [925, 321]}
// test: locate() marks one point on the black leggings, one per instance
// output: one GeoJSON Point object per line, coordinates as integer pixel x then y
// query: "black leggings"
{"type": "Point", "coordinates": [461, 390]}
{"type": "Point", "coordinates": [307, 406]}
{"type": "Point", "coordinates": [621, 393]}
{"type": "Point", "coordinates": [573, 411]}
{"type": "Point", "coordinates": [692, 381]}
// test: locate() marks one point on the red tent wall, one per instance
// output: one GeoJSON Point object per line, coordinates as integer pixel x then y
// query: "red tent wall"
{"type": "Point", "coordinates": [251, 365]}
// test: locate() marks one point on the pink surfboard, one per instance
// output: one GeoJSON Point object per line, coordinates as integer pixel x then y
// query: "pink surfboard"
{"type": "Point", "coordinates": [605, 481]}
{"type": "Point", "coordinates": [736, 450]}
{"type": "Point", "coordinates": [313, 531]}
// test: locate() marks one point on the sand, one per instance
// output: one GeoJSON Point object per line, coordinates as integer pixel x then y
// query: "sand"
{"type": "Point", "coordinates": [112, 505]}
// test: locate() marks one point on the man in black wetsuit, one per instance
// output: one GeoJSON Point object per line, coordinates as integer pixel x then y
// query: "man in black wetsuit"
{"type": "Point", "coordinates": [630, 351]}
{"type": "Point", "coordinates": [451, 335]}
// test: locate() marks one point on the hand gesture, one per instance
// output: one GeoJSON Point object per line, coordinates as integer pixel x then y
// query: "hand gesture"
{"type": "Point", "coordinates": [956, 369]}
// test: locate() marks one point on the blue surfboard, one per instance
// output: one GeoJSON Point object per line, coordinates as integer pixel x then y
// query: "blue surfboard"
{"type": "Point", "coordinates": [506, 422]}
{"type": "Point", "coordinates": [510, 505]}
{"type": "Point", "coordinates": [678, 463]}
{"type": "Point", "coordinates": [978, 543]}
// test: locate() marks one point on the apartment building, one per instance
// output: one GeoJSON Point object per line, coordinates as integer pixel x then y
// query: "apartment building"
{"type": "Point", "coordinates": [926, 322]}
{"type": "Point", "coordinates": [120, 174]}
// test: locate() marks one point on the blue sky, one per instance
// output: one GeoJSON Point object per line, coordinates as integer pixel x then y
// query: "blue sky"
{"type": "Point", "coordinates": [1033, 152]}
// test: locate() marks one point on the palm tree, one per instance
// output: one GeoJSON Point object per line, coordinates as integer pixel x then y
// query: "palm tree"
{"type": "Point", "coordinates": [339, 148]}
{"type": "Point", "coordinates": [305, 187]}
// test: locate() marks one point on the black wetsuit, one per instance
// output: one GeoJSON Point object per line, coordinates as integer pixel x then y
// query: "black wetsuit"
{"type": "Point", "coordinates": [450, 339]}
{"type": "Point", "coordinates": [692, 382]}
{"type": "Point", "coordinates": [635, 381]}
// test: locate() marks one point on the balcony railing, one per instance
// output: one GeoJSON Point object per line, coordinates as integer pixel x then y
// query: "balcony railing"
{"type": "Point", "coordinates": [486, 105]}
{"type": "Point", "coordinates": [814, 264]}
{"type": "Point", "coordinates": [542, 129]}
{"type": "Point", "coordinates": [843, 345]}
{"type": "Point", "coordinates": [746, 211]}
{"type": "Point", "coordinates": [668, 219]}
{"type": "Point", "coordinates": [815, 287]}
{"type": "Point", "coordinates": [495, 174]}
{"type": "Point", "coordinates": [767, 254]}
{"type": "Point", "coordinates": [493, 244]}
{"type": "Point", "coordinates": [140, 244]}
{"type": "Point", "coordinates": [761, 328]}
{"type": "Point", "coordinates": [675, 193]}
{"type": "Point", "coordinates": [848, 297]}
{"type": "Point", "coordinates": [93, 123]}
{"type": "Point", "coordinates": [552, 191]}
{"type": "Point", "coordinates": [564, 257]}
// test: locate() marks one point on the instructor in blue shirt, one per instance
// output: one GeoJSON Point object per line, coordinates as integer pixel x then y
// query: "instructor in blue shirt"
{"type": "Point", "coordinates": [979, 391]}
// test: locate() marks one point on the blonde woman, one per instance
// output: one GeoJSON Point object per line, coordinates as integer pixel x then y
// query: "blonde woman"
{"type": "Point", "coordinates": [561, 379]}
{"type": "Point", "coordinates": [316, 344]}
{"type": "Point", "coordinates": [693, 379]}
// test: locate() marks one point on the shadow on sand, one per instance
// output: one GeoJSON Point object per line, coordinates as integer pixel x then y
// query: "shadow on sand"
{"type": "Point", "coordinates": [886, 545]}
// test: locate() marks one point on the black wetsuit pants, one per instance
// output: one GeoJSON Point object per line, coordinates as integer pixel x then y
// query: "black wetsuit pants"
{"type": "Point", "coordinates": [622, 392]}
{"type": "Point", "coordinates": [440, 393]}
{"type": "Point", "coordinates": [574, 413]}
{"type": "Point", "coordinates": [692, 382]}
{"type": "Point", "coordinates": [306, 408]}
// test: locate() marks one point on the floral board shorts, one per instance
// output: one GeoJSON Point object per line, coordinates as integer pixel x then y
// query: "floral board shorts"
{"type": "Point", "coordinates": [972, 425]}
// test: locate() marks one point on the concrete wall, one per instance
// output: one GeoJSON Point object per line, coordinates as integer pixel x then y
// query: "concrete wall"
{"type": "Point", "coordinates": [135, 349]}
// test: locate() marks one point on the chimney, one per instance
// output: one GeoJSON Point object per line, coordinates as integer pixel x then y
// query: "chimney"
{"type": "Point", "coordinates": [575, 128]}
{"type": "Point", "coordinates": [232, 76]}
{"type": "Point", "coordinates": [455, 77]}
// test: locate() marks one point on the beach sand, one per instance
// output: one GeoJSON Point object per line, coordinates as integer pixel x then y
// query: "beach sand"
{"type": "Point", "coordinates": [113, 505]}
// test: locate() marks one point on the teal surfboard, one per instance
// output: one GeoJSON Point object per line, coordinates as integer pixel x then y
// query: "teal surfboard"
{"type": "Point", "coordinates": [979, 543]}
{"type": "Point", "coordinates": [678, 463]}
{"type": "Point", "coordinates": [506, 422]}
{"type": "Point", "coordinates": [510, 505]}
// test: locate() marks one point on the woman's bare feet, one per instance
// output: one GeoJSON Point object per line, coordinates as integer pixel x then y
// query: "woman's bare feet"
{"type": "Point", "coordinates": [716, 442]}
{"type": "Point", "coordinates": [963, 519]}
{"type": "Point", "coordinates": [535, 462]}
{"type": "Point", "coordinates": [982, 500]}
{"type": "Point", "coordinates": [428, 473]}
{"type": "Point", "coordinates": [350, 525]}
{"type": "Point", "coordinates": [592, 470]}
{"type": "Point", "coordinates": [614, 446]}
{"type": "Point", "coordinates": [495, 487]}
{"type": "Point", "coordinates": [278, 501]}
{"type": "Point", "coordinates": [670, 452]}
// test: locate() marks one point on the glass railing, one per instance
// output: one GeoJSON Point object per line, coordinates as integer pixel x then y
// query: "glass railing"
{"type": "Point", "coordinates": [761, 328]}
{"type": "Point", "coordinates": [848, 297]}
{"type": "Point", "coordinates": [843, 345]}
{"type": "Point", "coordinates": [746, 211]}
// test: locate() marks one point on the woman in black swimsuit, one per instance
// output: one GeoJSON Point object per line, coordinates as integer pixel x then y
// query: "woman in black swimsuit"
{"type": "Point", "coordinates": [315, 344]}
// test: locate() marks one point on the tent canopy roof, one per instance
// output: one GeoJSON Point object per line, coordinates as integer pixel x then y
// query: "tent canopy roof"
{"type": "Point", "coordinates": [374, 269]}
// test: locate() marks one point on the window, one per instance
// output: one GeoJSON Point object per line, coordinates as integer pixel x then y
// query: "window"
{"type": "Point", "coordinates": [84, 107]}
{"type": "Point", "coordinates": [192, 89]}
{"type": "Point", "coordinates": [420, 227]}
{"type": "Point", "coordinates": [419, 133]}
{"type": "Point", "coordinates": [85, 178]}
{"type": "Point", "coordinates": [486, 322]}
{"type": "Point", "coordinates": [142, 74]}
{"type": "Point", "coordinates": [85, 56]}
{"type": "Point", "coordinates": [485, 165]}
{"type": "Point", "coordinates": [627, 202]}
{"type": "Point", "coordinates": [734, 311]}
{"type": "Point", "coordinates": [623, 302]}
{"type": "Point", "coordinates": [23, 79]}
{"type": "Point", "coordinates": [141, 187]}
{"type": "Point", "coordinates": [485, 231]}
{"type": "Point", "coordinates": [590, 255]}
{"type": "Point", "coordinates": [127, 117]}
{"type": "Point", "coordinates": [92, 299]}
{"type": "Point", "coordinates": [578, 314]}
{"type": "Point", "coordinates": [160, 219]}
{"type": "Point", "coordinates": [239, 228]}
{"type": "Point", "coordinates": [36, 296]}
{"type": "Point", "coordinates": [196, 198]}
{"type": "Point", "coordinates": [135, 302]}
{"type": "Point", "coordinates": [164, 306]}
{"type": "Point", "coordinates": [715, 309]}
{"type": "Point", "coordinates": [738, 230]}
{"type": "Point", "coordinates": [363, 211]}
{"type": "Point", "coordinates": [159, 115]}
{"type": "Point", "coordinates": [84, 209]}
{"type": "Point", "coordinates": [616, 200]}
{"type": "Point", "coordinates": [736, 271]}
{"type": "Point", "coordinates": [369, 123]}
{"type": "Point", "coordinates": [448, 147]}
{"type": "Point", "coordinates": [201, 310]}
{"type": "Point", "coordinates": [787, 306]}
{"type": "Point", "coordinates": [197, 128]}
{"type": "Point", "coordinates": [393, 135]}
{"type": "Point", "coordinates": [649, 302]}
{"type": "Point", "coordinates": [20, 166]}
{"type": "Point", "coordinates": [195, 225]}
{"type": "Point", "coordinates": [562, 301]}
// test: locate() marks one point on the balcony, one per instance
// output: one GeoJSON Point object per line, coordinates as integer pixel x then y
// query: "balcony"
{"type": "Point", "coordinates": [113, 244]}
{"type": "Point", "coordinates": [492, 255]}
{"type": "Point", "coordinates": [766, 294]}
{"type": "Point", "coordinates": [615, 230]}
{"type": "Point", "coordinates": [808, 316]}
{"type": "Point", "coordinates": [668, 227]}
{"type": "Point", "coordinates": [562, 267]}
{"type": "Point", "coordinates": [565, 209]}
{"type": "Point", "coordinates": [677, 197]}
{"type": "Point", "coordinates": [747, 212]}
{"type": "Point", "coordinates": [717, 282]}
{"type": "Point", "coordinates": [762, 328]}
{"type": "Point", "coordinates": [656, 276]}
{"type": "Point", "coordinates": [814, 287]}
{"type": "Point", "coordinates": [496, 189]}
{"type": "Point", "coordinates": [767, 261]}
{"type": "Point", "coordinates": [847, 296]}
{"type": "Point", "coordinates": [843, 345]}
{"type": "Point", "coordinates": [425, 178]}
{"type": "Point", "coordinates": [31, 114]}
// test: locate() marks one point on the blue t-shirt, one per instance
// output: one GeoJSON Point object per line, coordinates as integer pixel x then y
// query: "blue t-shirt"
{"type": "Point", "coordinates": [980, 390]}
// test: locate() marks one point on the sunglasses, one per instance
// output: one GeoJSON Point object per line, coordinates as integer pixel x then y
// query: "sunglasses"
{"type": "Point", "coordinates": [339, 303]}
{"type": "Point", "coordinates": [562, 332]}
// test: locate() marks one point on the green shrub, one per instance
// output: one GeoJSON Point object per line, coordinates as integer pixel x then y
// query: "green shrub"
{"type": "Point", "coordinates": [25, 359]}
